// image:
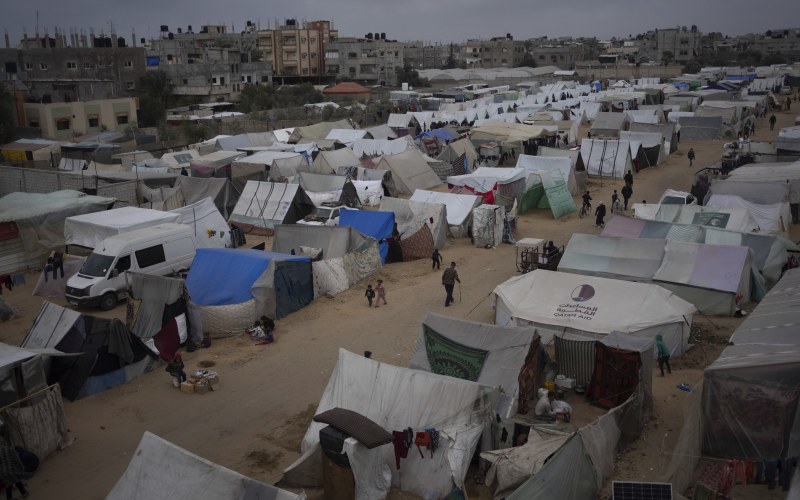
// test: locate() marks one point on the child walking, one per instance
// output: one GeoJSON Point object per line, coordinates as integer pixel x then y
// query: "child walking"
{"type": "Point", "coordinates": [381, 293]}
{"type": "Point", "coordinates": [369, 294]}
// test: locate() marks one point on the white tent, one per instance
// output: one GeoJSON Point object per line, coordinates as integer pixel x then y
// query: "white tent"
{"type": "Point", "coordinates": [380, 147]}
{"type": "Point", "coordinates": [397, 398]}
{"type": "Point", "coordinates": [89, 230]}
{"type": "Point", "coordinates": [488, 354]}
{"type": "Point", "coordinates": [593, 307]}
{"type": "Point", "coordinates": [772, 219]}
{"type": "Point", "coordinates": [210, 228]}
{"type": "Point", "coordinates": [736, 219]}
{"type": "Point", "coordinates": [347, 136]}
{"type": "Point", "coordinates": [459, 208]}
{"type": "Point", "coordinates": [160, 470]}
{"type": "Point", "coordinates": [651, 142]}
{"type": "Point", "coordinates": [410, 171]}
{"type": "Point", "coordinates": [542, 163]}
{"type": "Point", "coordinates": [606, 158]}
{"type": "Point", "coordinates": [484, 179]}
{"type": "Point", "coordinates": [264, 204]}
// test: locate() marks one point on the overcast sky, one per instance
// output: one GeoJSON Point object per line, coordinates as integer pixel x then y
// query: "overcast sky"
{"type": "Point", "coordinates": [429, 20]}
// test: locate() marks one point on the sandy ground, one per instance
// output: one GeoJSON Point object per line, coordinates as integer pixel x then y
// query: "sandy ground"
{"type": "Point", "coordinates": [267, 394]}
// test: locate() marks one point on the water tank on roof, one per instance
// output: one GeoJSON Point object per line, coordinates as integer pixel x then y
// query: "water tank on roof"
{"type": "Point", "coordinates": [368, 36]}
{"type": "Point", "coordinates": [142, 41]}
{"type": "Point", "coordinates": [189, 29]}
{"type": "Point", "coordinates": [164, 28]}
{"type": "Point", "coordinates": [171, 36]}
{"type": "Point", "coordinates": [180, 30]}
{"type": "Point", "coordinates": [383, 36]}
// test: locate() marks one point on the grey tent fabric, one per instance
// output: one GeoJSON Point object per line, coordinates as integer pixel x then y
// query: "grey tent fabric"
{"type": "Point", "coordinates": [575, 358]}
{"type": "Point", "coordinates": [411, 216]}
{"type": "Point", "coordinates": [155, 292]}
{"type": "Point", "coordinates": [195, 189]}
{"type": "Point", "coordinates": [608, 125]}
{"type": "Point", "coordinates": [763, 193]}
{"type": "Point", "coordinates": [758, 373]}
{"type": "Point", "coordinates": [160, 470]}
{"type": "Point", "coordinates": [700, 128]}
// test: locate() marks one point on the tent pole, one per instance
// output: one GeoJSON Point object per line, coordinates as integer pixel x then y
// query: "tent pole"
{"type": "Point", "coordinates": [29, 396]}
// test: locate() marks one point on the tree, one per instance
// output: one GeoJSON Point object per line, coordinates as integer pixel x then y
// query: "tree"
{"type": "Point", "coordinates": [409, 75]}
{"type": "Point", "coordinates": [527, 61]}
{"type": "Point", "coordinates": [667, 57]}
{"type": "Point", "coordinates": [155, 96]}
{"type": "Point", "coordinates": [692, 67]}
{"type": "Point", "coordinates": [451, 58]}
{"type": "Point", "coordinates": [6, 115]}
{"type": "Point", "coordinates": [775, 58]}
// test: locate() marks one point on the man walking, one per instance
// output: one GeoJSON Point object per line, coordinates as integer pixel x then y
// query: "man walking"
{"type": "Point", "coordinates": [600, 214]}
{"type": "Point", "coordinates": [449, 278]}
{"type": "Point", "coordinates": [628, 178]}
{"type": "Point", "coordinates": [436, 257]}
{"type": "Point", "coordinates": [772, 121]}
{"type": "Point", "coordinates": [627, 192]}
{"type": "Point", "coordinates": [690, 155]}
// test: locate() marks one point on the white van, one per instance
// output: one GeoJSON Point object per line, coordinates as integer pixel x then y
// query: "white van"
{"type": "Point", "coordinates": [160, 250]}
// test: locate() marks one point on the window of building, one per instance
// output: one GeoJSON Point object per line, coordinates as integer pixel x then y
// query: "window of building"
{"type": "Point", "coordinates": [150, 256]}
{"type": "Point", "coordinates": [313, 55]}
{"type": "Point", "coordinates": [33, 123]}
{"type": "Point", "coordinates": [169, 58]}
{"type": "Point", "coordinates": [122, 118]}
{"type": "Point", "coordinates": [302, 40]}
{"type": "Point", "coordinates": [88, 65]}
{"type": "Point", "coordinates": [11, 67]}
{"type": "Point", "coordinates": [264, 78]}
{"type": "Point", "coordinates": [129, 63]}
{"type": "Point", "coordinates": [62, 123]}
{"type": "Point", "coordinates": [43, 66]}
{"type": "Point", "coordinates": [28, 67]}
{"type": "Point", "coordinates": [72, 65]}
{"type": "Point", "coordinates": [185, 81]}
{"type": "Point", "coordinates": [305, 71]}
{"type": "Point", "coordinates": [94, 121]}
{"type": "Point", "coordinates": [130, 85]}
{"type": "Point", "coordinates": [541, 57]}
{"type": "Point", "coordinates": [222, 80]}
{"type": "Point", "coordinates": [304, 55]}
{"type": "Point", "coordinates": [313, 71]}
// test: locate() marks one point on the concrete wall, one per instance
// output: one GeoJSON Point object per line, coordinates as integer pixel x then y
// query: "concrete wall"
{"type": "Point", "coordinates": [81, 116]}
{"type": "Point", "coordinates": [28, 180]}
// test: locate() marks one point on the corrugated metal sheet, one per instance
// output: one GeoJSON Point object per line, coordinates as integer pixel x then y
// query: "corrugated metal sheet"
{"type": "Point", "coordinates": [13, 257]}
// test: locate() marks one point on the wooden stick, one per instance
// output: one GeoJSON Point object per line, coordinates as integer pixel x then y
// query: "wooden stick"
{"type": "Point", "coordinates": [29, 396]}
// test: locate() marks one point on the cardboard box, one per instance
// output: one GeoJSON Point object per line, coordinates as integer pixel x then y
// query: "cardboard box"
{"type": "Point", "coordinates": [213, 379]}
{"type": "Point", "coordinates": [201, 388]}
{"type": "Point", "coordinates": [187, 387]}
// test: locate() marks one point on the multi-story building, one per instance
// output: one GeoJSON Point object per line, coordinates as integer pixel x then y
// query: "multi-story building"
{"type": "Point", "coordinates": [785, 42]}
{"type": "Point", "coordinates": [368, 60]}
{"type": "Point", "coordinates": [212, 64]}
{"type": "Point", "coordinates": [297, 51]}
{"type": "Point", "coordinates": [494, 53]}
{"type": "Point", "coordinates": [93, 68]}
{"type": "Point", "coordinates": [684, 44]}
{"type": "Point", "coordinates": [420, 55]}
{"type": "Point", "coordinates": [67, 120]}
{"type": "Point", "coordinates": [563, 55]}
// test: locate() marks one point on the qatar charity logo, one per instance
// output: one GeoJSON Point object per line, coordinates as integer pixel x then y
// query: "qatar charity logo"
{"type": "Point", "coordinates": [583, 293]}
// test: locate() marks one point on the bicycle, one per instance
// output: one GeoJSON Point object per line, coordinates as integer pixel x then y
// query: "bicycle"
{"type": "Point", "coordinates": [586, 209]}
{"type": "Point", "coordinates": [616, 208]}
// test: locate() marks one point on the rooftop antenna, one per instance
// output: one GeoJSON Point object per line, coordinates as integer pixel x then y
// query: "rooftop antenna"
{"type": "Point", "coordinates": [37, 23]}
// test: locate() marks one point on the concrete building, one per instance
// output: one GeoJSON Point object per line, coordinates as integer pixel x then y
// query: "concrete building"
{"type": "Point", "coordinates": [420, 55]}
{"type": "Point", "coordinates": [494, 53]}
{"type": "Point", "coordinates": [785, 42]}
{"type": "Point", "coordinates": [684, 44]}
{"type": "Point", "coordinates": [53, 72]}
{"type": "Point", "coordinates": [67, 120]}
{"type": "Point", "coordinates": [563, 55]}
{"type": "Point", "coordinates": [366, 60]}
{"type": "Point", "coordinates": [296, 50]}
{"type": "Point", "coordinates": [212, 64]}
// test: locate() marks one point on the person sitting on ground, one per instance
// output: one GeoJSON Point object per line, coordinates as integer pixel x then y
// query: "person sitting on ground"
{"type": "Point", "coordinates": [269, 330]}
{"type": "Point", "coordinates": [544, 407]}
{"type": "Point", "coordinates": [561, 407]}
{"type": "Point", "coordinates": [256, 331]}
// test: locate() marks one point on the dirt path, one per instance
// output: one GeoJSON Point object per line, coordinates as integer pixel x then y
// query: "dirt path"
{"type": "Point", "coordinates": [267, 394]}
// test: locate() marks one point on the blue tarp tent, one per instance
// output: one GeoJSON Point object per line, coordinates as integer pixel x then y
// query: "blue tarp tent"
{"type": "Point", "coordinates": [378, 225]}
{"type": "Point", "coordinates": [276, 284]}
{"type": "Point", "coordinates": [442, 134]}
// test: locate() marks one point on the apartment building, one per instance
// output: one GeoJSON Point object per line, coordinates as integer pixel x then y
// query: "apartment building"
{"type": "Point", "coordinates": [372, 60]}
{"type": "Point", "coordinates": [297, 50]}
{"type": "Point", "coordinates": [497, 52]}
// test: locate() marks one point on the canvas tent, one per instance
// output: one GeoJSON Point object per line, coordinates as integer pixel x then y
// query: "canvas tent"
{"type": "Point", "coordinates": [770, 252]}
{"type": "Point", "coordinates": [700, 128]}
{"type": "Point", "coordinates": [345, 255]}
{"type": "Point", "coordinates": [398, 398]}
{"type": "Point", "coordinates": [160, 470]}
{"type": "Point", "coordinates": [32, 224]}
{"type": "Point", "coordinates": [415, 221]}
{"type": "Point", "coordinates": [652, 145]}
{"type": "Point", "coordinates": [488, 225]}
{"type": "Point", "coordinates": [608, 125]}
{"type": "Point", "coordinates": [459, 208]}
{"type": "Point", "coordinates": [715, 278]}
{"type": "Point", "coordinates": [327, 162]}
{"type": "Point", "coordinates": [773, 218]}
{"type": "Point", "coordinates": [317, 131]}
{"type": "Point", "coordinates": [759, 192]}
{"type": "Point", "coordinates": [90, 229]}
{"type": "Point", "coordinates": [667, 131]}
{"type": "Point", "coordinates": [587, 307]}
{"type": "Point", "coordinates": [576, 161]}
{"type": "Point", "coordinates": [456, 149]}
{"type": "Point", "coordinates": [329, 188]}
{"type": "Point", "coordinates": [375, 224]}
{"type": "Point", "coordinates": [778, 173]}
{"type": "Point", "coordinates": [410, 171]}
{"type": "Point", "coordinates": [490, 355]}
{"type": "Point", "coordinates": [380, 147]}
{"type": "Point", "coordinates": [264, 161]}
{"type": "Point", "coordinates": [210, 228]}
{"type": "Point", "coordinates": [611, 159]}
{"type": "Point", "coordinates": [736, 219]}
{"type": "Point", "coordinates": [94, 354]}
{"type": "Point", "coordinates": [757, 373]}
{"type": "Point", "coordinates": [216, 164]}
{"type": "Point", "coordinates": [262, 205]}
{"type": "Point", "coordinates": [233, 288]}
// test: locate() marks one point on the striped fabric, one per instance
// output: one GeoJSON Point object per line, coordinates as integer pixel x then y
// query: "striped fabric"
{"type": "Point", "coordinates": [575, 359]}
{"type": "Point", "coordinates": [460, 165]}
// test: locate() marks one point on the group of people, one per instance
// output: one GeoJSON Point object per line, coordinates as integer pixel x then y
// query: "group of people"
{"type": "Point", "coordinates": [378, 291]}
{"type": "Point", "coordinates": [550, 408]}
{"type": "Point", "coordinates": [263, 331]}
{"type": "Point", "coordinates": [54, 264]}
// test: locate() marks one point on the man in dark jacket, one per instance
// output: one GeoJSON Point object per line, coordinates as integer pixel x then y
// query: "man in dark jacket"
{"type": "Point", "coordinates": [449, 278]}
{"type": "Point", "coordinates": [627, 192]}
{"type": "Point", "coordinates": [628, 178]}
{"type": "Point", "coordinates": [600, 214]}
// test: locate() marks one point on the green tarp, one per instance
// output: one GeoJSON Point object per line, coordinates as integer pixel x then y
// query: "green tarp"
{"type": "Point", "coordinates": [447, 357]}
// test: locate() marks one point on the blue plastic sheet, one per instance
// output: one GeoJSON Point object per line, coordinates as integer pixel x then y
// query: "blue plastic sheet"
{"type": "Point", "coordinates": [378, 225]}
